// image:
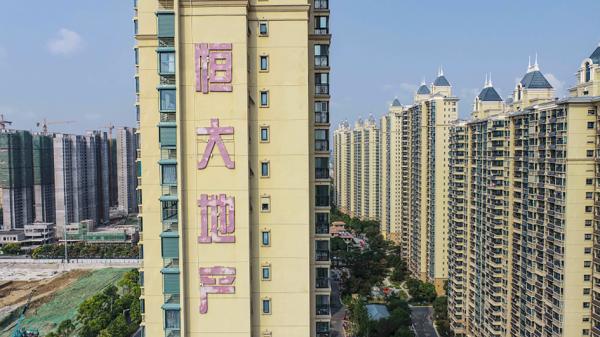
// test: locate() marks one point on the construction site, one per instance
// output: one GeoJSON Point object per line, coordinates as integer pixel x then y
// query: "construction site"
{"type": "Point", "coordinates": [36, 298]}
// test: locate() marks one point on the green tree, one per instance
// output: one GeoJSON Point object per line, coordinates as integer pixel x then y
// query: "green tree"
{"type": "Point", "coordinates": [359, 317]}
{"type": "Point", "coordinates": [11, 249]}
{"type": "Point", "coordinates": [65, 328]}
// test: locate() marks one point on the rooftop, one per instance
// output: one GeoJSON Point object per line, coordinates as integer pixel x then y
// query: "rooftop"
{"type": "Point", "coordinates": [535, 80]}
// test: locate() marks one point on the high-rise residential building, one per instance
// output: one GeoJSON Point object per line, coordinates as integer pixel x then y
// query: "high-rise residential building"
{"type": "Point", "coordinates": [234, 127]}
{"type": "Point", "coordinates": [522, 193]}
{"type": "Point", "coordinates": [16, 179]}
{"type": "Point", "coordinates": [102, 172]}
{"type": "Point", "coordinates": [78, 167]}
{"type": "Point", "coordinates": [342, 180]}
{"type": "Point", "coordinates": [43, 178]}
{"type": "Point", "coordinates": [126, 169]}
{"type": "Point", "coordinates": [357, 158]}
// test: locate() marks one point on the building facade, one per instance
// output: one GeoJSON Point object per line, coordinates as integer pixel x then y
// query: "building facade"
{"type": "Point", "coordinates": [234, 126]}
{"type": "Point", "coordinates": [522, 196]}
{"type": "Point", "coordinates": [126, 169]}
{"type": "Point", "coordinates": [43, 178]}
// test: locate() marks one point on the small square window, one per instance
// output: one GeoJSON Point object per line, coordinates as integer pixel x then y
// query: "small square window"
{"type": "Point", "coordinates": [590, 125]}
{"type": "Point", "coordinates": [587, 250]}
{"type": "Point", "coordinates": [264, 134]}
{"type": "Point", "coordinates": [265, 204]}
{"type": "Point", "coordinates": [588, 209]}
{"type": "Point", "coordinates": [588, 237]}
{"type": "Point", "coordinates": [264, 63]}
{"type": "Point", "coordinates": [264, 99]}
{"type": "Point", "coordinates": [589, 195]}
{"type": "Point", "coordinates": [590, 153]}
{"type": "Point", "coordinates": [266, 306]}
{"type": "Point", "coordinates": [587, 264]}
{"type": "Point", "coordinates": [589, 181]}
{"type": "Point", "coordinates": [263, 29]}
{"type": "Point", "coordinates": [265, 169]}
{"type": "Point", "coordinates": [592, 112]}
{"type": "Point", "coordinates": [586, 305]}
{"type": "Point", "coordinates": [266, 238]}
{"type": "Point", "coordinates": [266, 273]}
{"type": "Point", "coordinates": [588, 223]}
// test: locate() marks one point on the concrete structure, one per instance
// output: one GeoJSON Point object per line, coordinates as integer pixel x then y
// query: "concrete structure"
{"type": "Point", "coordinates": [234, 127]}
{"type": "Point", "coordinates": [11, 236]}
{"type": "Point", "coordinates": [37, 234]}
{"type": "Point", "coordinates": [126, 169]}
{"type": "Point", "coordinates": [522, 196]}
{"type": "Point", "coordinates": [43, 178]}
{"type": "Point", "coordinates": [342, 140]}
{"type": "Point", "coordinates": [16, 179]}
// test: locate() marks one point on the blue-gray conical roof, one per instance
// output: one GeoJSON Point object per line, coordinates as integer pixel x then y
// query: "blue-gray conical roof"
{"type": "Point", "coordinates": [535, 80]}
{"type": "Point", "coordinates": [489, 94]}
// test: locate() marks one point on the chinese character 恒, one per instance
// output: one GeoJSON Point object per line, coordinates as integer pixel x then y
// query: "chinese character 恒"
{"type": "Point", "coordinates": [214, 67]}
{"type": "Point", "coordinates": [215, 280]}
{"type": "Point", "coordinates": [215, 132]}
{"type": "Point", "coordinates": [221, 226]}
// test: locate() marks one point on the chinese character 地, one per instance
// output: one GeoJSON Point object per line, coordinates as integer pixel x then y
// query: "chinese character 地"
{"type": "Point", "coordinates": [215, 280]}
{"type": "Point", "coordinates": [213, 67]}
{"type": "Point", "coordinates": [222, 219]}
{"type": "Point", "coordinates": [215, 132]}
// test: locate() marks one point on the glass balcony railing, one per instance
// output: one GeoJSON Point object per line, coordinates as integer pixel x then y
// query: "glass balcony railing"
{"type": "Point", "coordinates": [322, 255]}
{"type": "Point", "coordinates": [321, 4]}
{"type": "Point", "coordinates": [169, 190]}
{"type": "Point", "coordinates": [322, 283]}
{"type": "Point", "coordinates": [168, 154]}
{"type": "Point", "coordinates": [323, 309]}
{"type": "Point", "coordinates": [172, 299]}
{"type": "Point", "coordinates": [171, 263]}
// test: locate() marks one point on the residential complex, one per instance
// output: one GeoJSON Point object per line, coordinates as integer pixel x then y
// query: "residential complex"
{"type": "Point", "coordinates": [233, 101]}
{"type": "Point", "coordinates": [401, 172]}
{"type": "Point", "coordinates": [524, 205]}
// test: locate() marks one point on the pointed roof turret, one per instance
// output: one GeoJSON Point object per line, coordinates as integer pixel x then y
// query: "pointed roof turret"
{"type": "Point", "coordinates": [441, 80]}
{"type": "Point", "coordinates": [488, 93]}
{"type": "Point", "coordinates": [396, 102]}
{"type": "Point", "coordinates": [534, 79]}
{"type": "Point", "coordinates": [423, 89]}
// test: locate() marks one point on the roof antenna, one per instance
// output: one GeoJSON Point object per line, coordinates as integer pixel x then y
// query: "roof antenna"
{"type": "Point", "coordinates": [485, 85]}
{"type": "Point", "coordinates": [529, 64]}
{"type": "Point", "coordinates": [441, 72]}
{"type": "Point", "coordinates": [490, 83]}
{"type": "Point", "coordinates": [423, 82]}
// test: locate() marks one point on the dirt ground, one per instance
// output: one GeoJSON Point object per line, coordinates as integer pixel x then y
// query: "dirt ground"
{"type": "Point", "coordinates": [15, 293]}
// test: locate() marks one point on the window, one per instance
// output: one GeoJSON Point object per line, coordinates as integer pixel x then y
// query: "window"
{"type": "Point", "coordinates": [588, 237]}
{"type": "Point", "coordinates": [171, 283]}
{"type": "Point", "coordinates": [264, 134]}
{"type": "Point", "coordinates": [589, 181]}
{"type": "Point", "coordinates": [587, 278]}
{"type": "Point", "coordinates": [321, 140]}
{"type": "Point", "coordinates": [322, 250]}
{"type": "Point", "coordinates": [322, 305]}
{"type": "Point", "coordinates": [322, 112]}
{"type": "Point", "coordinates": [322, 168]}
{"type": "Point", "coordinates": [167, 63]}
{"type": "Point", "coordinates": [587, 264]}
{"type": "Point", "coordinates": [264, 169]}
{"type": "Point", "coordinates": [172, 320]}
{"type": "Point", "coordinates": [169, 174]}
{"type": "Point", "coordinates": [589, 195]}
{"type": "Point", "coordinates": [266, 238]}
{"type": "Point", "coordinates": [167, 136]}
{"type": "Point", "coordinates": [590, 125]}
{"type": "Point", "coordinates": [166, 25]}
{"type": "Point", "coordinates": [321, 4]}
{"type": "Point", "coordinates": [170, 248]}
{"type": "Point", "coordinates": [263, 29]}
{"type": "Point", "coordinates": [169, 210]}
{"type": "Point", "coordinates": [265, 204]}
{"type": "Point", "coordinates": [136, 54]}
{"type": "Point", "coordinates": [586, 305]}
{"type": "Point", "coordinates": [137, 85]}
{"type": "Point", "coordinates": [264, 99]}
{"type": "Point", "coordinates": [321, 25]}
{"type": "Point", "coordinates": [322, 281]}
{"type": "Point", "coordinates": [588, 209]}
{"type": "Point", "coordinates": [587, 250]}
{"type": "Point", "coordinates": [322, 223]}
{"type": "Point", "coordinates": [591, 112]}
{"type": "Point", "coordinates": [588, 223]}
{"type": "Point", "coordinates": [264, 63]}
{"type": "Point", "coordinates": [266, 306]}
{"type": "Point", "coordinates": [588, 72]}
{"type": "Point", "coordinates": [590, 153]}
{"type": "Point", "coordinates": [321, 55]}
{"type": "Point", "coordinates": [322, 196]}
{"type": "Point", "coordinates": [322, 84]}
{"type": "Point", "coordinates": [322, 329]}
{"type": "Point", "coordinates": [586, 291]}
{"type": "Point", "coordinates": [266, 273]}
{"type": "Point", "coordinates": [167, 100]}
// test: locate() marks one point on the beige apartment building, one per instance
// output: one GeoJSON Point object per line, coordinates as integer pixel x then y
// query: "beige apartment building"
{"type": "Point", "coordinates": [522, 192]}
{"type": "Point", "coordinates": [357, 163]}
{"type": "Point", "coordinates": [233, 102]}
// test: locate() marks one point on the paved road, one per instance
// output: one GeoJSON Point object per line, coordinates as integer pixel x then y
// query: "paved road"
{"type": "Point", "coordinates": [421, 318]}
{"type": "Point", "coordinates": [338, 311]}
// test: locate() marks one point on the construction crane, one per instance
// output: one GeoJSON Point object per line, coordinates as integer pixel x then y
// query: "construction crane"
{"type": "Point", "coordinates": [110, 128]}
{"type": "Point", "coordinates": [23, 332]}
{"type": "Point", "coordinates": [4, 123]}
{"type": "Point", "coordinates": [44, 124]}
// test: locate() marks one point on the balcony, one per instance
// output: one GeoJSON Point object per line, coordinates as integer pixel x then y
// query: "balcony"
{"type": "Point", "coordinates": [322, 255]}
{"type": "Point", "coordinates": [165, 4]}
{"type": "Point", "coordinates": [322, 229]}
{"type": "Point", "coordinates": [322, 89]}
{"type": "Point", "coordinates": [321, 4]}
{"type": "Point", "coordinates": [172, 299]}
{"type": "Point", "coordinates": [171, 263]}
{"type": "Point", "coordinates": [321, 173]}
{"type": "Point", "coordinates": [322, 283]}
{"type": "Point", "coordinates": [323, 310]}
{"type": "Point", "coordinates": [321, 61]}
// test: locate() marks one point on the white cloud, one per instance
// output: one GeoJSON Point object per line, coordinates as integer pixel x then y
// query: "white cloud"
{"type": "Point", "coordinates": [558, 85]}
{"type": "Point", "coordinates": [65, 43]}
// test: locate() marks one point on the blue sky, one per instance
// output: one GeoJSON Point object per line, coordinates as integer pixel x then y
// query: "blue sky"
{"type": "Point", "coordinates": [73, 60]}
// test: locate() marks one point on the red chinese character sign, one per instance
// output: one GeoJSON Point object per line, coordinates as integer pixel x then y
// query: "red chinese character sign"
{"type": "Point", "coordinates": [214, 133]}
{"type": "Point", "coordinates": [215, 280]}
{"type": "Point", "coordinates": [222, 219]}
{"type": "Point", "coordinates": [214, 67]}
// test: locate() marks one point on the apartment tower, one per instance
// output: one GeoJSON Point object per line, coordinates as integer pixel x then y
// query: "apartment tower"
{"type": "Point", "coordinates": [234, 127]}
{"type": "Point", "coordinates": [126, 169]}
{"type": "Point", "coordinates": [43, 178]}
